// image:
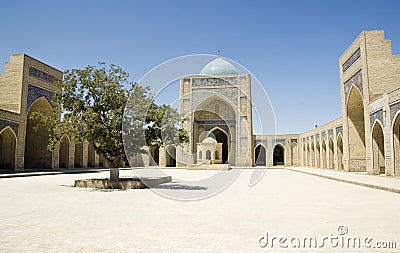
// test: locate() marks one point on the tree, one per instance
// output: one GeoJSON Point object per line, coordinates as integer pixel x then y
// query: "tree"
{"type": "Point", "coordinates": [92, 102]}
{"type": "Point", "coordinates": [163, 126]}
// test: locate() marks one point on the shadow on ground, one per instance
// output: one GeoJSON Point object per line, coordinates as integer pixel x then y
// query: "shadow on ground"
{"type": "Point", "coordinates": [178, 186]}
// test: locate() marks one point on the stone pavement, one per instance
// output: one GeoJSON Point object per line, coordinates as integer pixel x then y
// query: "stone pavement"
{"type": "Point", "coordinates": [46, 214]}
{"type": "Point", "coordinates": [380, 182]}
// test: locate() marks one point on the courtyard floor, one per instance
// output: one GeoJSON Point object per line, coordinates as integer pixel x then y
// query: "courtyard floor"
{"type": "Point", "coordinates": [47, 214]}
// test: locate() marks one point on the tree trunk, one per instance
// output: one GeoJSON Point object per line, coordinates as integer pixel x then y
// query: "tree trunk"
{"type": "Point", "coordinates": [114, 172]}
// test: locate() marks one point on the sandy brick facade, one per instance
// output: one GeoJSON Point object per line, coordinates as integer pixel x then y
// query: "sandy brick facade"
{"type": "Point", "coordinates": [366, 137]}
{"type": "Point", "coordinates": [28, 85]}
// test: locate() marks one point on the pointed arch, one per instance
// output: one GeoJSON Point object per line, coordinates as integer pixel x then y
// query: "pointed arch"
{"type": "Point", "coordinates": [312, 154]}
{"type": "Point", "coordinates": [278, 154]}
{"type": "Point", "coordinates": [91, 155]}
{"type": "Point", "coordinates": [339, 152]}
{"type": "Point", "coordinates": [331, 153]}
{"type": "Point", "coordinates": [378, 147]}
{"type": "Point", "coordinates": [260, 155]}
{"type": "Point", "coordinates": [170, 155]}
{"type": "Point", "coordinates": [317, 154]}
{"type": "Point", "coordinates": [155, 155]}
{"type": "Point", "coordinates": [215, 129]}
{"type": "Point", "coordinates": [213, 100]}
{"type": "Point", "coordinates": [207, 119]}
{"type": "Point", "coordinates": [356, 130]}
{"type": "Point", "coordinates": [78, 157]}
{"type": "Point", "coordinates": [41, 99]}
{"type": "Point", "coordinates": [36, 141]}
{"type": "Point", "coordinates": [63, 157]}
{"type": "Point", "coordinates": [294, 154]}
{"type": "Point", "coordinates": [323, 154]}
{"type": "Point", "coordinates": [102, 161]}
{"type": "Point", "coordinates": [222, 137]}
{"type": "Point", "coordinates": [396, 144]}
{"type": "Point", "coordinates": [8, 145]}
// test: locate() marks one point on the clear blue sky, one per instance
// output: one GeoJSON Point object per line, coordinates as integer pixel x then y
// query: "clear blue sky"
{"type": "Point", "coordinates": [292, 47]}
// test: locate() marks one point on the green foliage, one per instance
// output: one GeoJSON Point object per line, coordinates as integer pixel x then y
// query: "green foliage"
{"type": "Point", "coordinates": [93, 103]}
{"type": "Point", "coordinates": [163, 126]}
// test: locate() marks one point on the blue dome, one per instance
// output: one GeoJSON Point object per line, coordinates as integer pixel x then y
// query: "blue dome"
{"type": "Point", "coordinates": [219, 66]}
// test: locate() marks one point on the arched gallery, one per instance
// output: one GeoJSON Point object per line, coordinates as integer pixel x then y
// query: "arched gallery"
{"type": "Point", "coordinates": [217, 105]}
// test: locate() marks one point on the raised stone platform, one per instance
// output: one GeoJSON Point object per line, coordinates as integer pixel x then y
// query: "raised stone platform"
{"type": "Point", "coordinates": [123, 183]}
{"type": "Point", "coordinates": [209, 167]}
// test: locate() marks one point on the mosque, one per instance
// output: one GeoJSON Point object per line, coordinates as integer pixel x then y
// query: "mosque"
{"type": "Point", "coordinates": [218, 117]}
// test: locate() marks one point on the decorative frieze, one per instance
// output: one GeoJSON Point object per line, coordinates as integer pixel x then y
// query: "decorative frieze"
{"type": "Point", "coordinates": [281, 141]}
{"type": "Point", "coordinates": [226, 81]}
{"type": "Point", "coordinates": [12, 125]}
{"type": "Point", "coordinates": [394, 108]}
{"type": "Point", "coordinates": [356, 79]}
{"type": "Point", "coordinates": [243, 104]}
{"type": "Point", "coordinates": [42, 75]}
{"type": "Point", "coordinates": [257, 142]}
{"type": "Point", "coordinates": [186, 106]}
{"type": "Point", "coordinates": [186, 87]}
{"type": "Point", "coordinates": [215, 122]}
{"type": "Point", "coordinates": [376, 115]}
{"type": "Point", "coordinates": [35, 92]}
{"type": "Point", "coordinates": [353, 58]}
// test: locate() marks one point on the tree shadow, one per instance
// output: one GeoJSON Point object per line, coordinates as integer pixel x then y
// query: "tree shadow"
{"type": "Point", "coordinates": [178, 186]}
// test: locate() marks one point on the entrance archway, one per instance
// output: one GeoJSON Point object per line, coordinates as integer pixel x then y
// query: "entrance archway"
{"type": "Point", "coordinates": [63, 157]}
{"type": "Point", "coordinates": [155, 155]}
{"type": "Point", "coordinates": [78, 159]}
{"type": "Point", "coordinates": [293, 154]}
{"type": "Point", "coordinates": [102, 161]}
{"type": "Point", "coordinates": [279, 155]}
{"type": "Point", "coordinates": [396, 145]}
{"type": "Point", "coordinates": [323, 154]}
{"type": "Point", "coordinates": [170, 156]}
{"type": "Point", "coordinates": [216, 117]}
{"type": "Point", "coordinates": [331, 154]}
{"type": "Point", "coordinates": [317, 155]}
{"type": "Point", "coordinates": [7, 149]}
{"type": "Point", "coordinates": [260, 155]}
{"type": "Point", "coordinates": [36, 153]}
{"type": "Point", "coordinates": [378, 148]}
{"type": "Point", "coordinates": [91, 155]}
{"type": "Point", "coordinates": [339, 152]}
{"type": "Point", "coordinates": [312, 155]}
{"type": "Point", "coordinates": [221, 137]}
{"type": "Point", "coordinates": [356, 131]}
